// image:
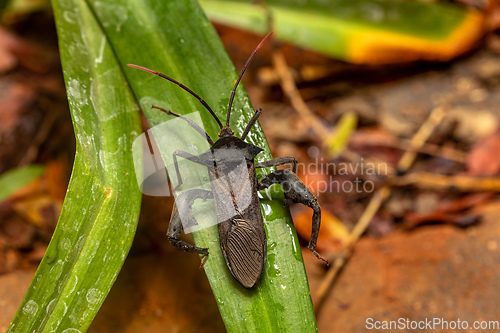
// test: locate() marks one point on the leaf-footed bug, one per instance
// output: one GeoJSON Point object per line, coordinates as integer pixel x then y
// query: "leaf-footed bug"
{"type": "Point", "coordinates": [231, 169]}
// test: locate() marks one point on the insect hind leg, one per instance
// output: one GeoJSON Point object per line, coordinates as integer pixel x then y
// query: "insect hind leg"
{"type": "Point", "coordinates": [279, 161]}
{"type": "Point", "coordinates": [183, 213]}
{"type": "Point", "coordinates": [296, 192]}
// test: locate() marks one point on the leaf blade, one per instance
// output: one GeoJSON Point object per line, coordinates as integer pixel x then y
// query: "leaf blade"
{"type": "Point", "coordinates": [15, 179]}
{"type": "Point", "coordinates": [178, 41]}
{"type": "Point", "coordinates": [100, 211]}
{"type": "Point", "coordinates": [361, 31]}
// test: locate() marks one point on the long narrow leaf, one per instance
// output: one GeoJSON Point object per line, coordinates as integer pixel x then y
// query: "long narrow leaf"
{"type": "Point", "coordinates": [100, 211]}
{"type": "Point", "coordinates": [361, 31]}
{"type": "Point", "coordinates": [175, 38]}
{"type": "Point", "coordinates": [15, 179]}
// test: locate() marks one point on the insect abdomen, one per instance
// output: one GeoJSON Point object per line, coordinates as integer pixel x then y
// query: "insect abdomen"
{"type": "Point", "coordinates": [245, 252]}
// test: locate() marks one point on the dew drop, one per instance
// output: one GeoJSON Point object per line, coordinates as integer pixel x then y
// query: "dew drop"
{"type": "Point", "coordinates": [30, 308]}
{"type": "Point", "coordinates": [94, 296]}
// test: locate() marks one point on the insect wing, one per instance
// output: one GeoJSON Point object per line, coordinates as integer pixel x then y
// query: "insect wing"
{"type": "Point", "coordinates": [231, 182]}
{"type": "Point", "coordinates": [245, 252]}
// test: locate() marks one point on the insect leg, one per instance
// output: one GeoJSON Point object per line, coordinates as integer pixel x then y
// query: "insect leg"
{"type": "Point", "coordinates": [296, 192]}
{"type": "Point", "coordinates": [183, 212]}
{"type": "Point", "coordinates": [187, 156]}
{"type": "Point", "coordinates": [279, 161]}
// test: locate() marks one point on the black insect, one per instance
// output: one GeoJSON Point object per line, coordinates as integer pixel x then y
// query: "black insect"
{"type": "Point", "coordinates": [231, 168]}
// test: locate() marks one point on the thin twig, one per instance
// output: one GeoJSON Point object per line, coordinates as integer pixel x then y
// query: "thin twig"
{"type": "Point", "coordinates": [332, 273]}
{"type": "Point", "coordinates": [423, 134]}
{"type": "Point", "coordinates": [432, 150]}
{"type": "Point", "coordinates": [377, 200]}
{"type": "Point", "coordinates": [373, 206]}
{"type": "Point", "coordinates": [42, 133]}
{"type": "Point", "coordinates": [462, 183]}
{"type": "Point", "coordinates": [290, 89]}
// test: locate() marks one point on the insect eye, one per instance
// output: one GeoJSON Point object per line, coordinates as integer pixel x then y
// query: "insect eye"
{"type": "Point", "coordinates": [218, 134]}
{"type": "Point", "coordinates": [232, 132]}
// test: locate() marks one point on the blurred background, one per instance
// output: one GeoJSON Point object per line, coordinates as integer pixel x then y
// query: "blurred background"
{"type": "Point", "coordinates": [392, 110]}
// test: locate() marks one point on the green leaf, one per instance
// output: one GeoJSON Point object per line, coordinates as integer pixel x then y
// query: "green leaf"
{"type": "Point", "coordinates": [13, 180]}
{"type": "Point", "coordinates": [9, 9]}
{"type": "Point", "coordinates": [173, 37]}
{"type": "Point", "coordinates": [100, 211]}
{"type": "Point", "coordinates": [337, 142]}
{"type": "Point", "coordinates": [361, 31]}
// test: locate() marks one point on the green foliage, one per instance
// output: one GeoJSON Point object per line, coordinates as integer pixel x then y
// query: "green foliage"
{"type": "Point", "coordinates": [100, 211]}
{"type": "Point", "coordinates": [360, 31]}
{"type": "Point", "coordinates": [15, 179]}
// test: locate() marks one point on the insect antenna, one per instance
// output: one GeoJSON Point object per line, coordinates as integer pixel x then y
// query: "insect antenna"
{"type": "Point", "coordinates": [190, 122]}
{"type": "Point", "coordinates": [183, 87]}
{"type": "Point", "coordinates": [251, 123]}
{"type": "Point", "coordinates": [241, 75]}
